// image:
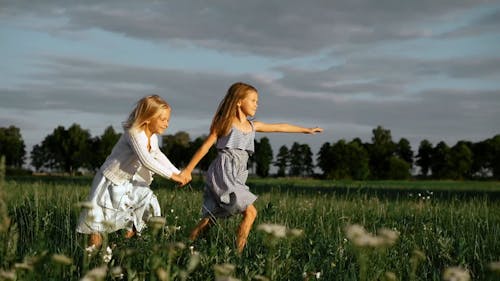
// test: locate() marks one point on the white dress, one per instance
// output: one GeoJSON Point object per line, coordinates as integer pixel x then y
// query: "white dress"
{"type": "Point", "coordinates": [122, 199]}
{"type": "Point", "coordinates": [117, 207]}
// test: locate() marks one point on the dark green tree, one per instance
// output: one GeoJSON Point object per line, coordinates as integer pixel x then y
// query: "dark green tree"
{"type": "Point", "coordinates": [441, 162]}
{"type": "Point", "coordinates": [358, 159]}
{"type": "Point", "coordinates": [38, 157]}
{"type": "Point", "coordinates": [481, 159]}
{"type": "Point", "coordinates": [424, 157]}
{"type": "Point", "coordinates": [399, 169]}
{"type": "Point", "coordinates": [404, 151]}
{"type": "Point", "coordinates": [340, 163]}
{"type": "Point", "coordinates": [263, 157]}
{"type": "Point", "coordinates": [307, 160]}
{"type": "Point", "coordinates": [282, 161]}
{"type": "Point", "coordinates": [324, 159]}
{"type": "Point", "coordinates": [343, 160]}
{"type": "Point", "coordinates": [12, 146]}
{"type": "Point", "coordinates": [494, 147]}
{"type": "Point", "coordinates": [381, 150]}
{"type": "Point", "coordinates": [101, 147]}
{"type": "Point", "coordinates": [461, 160]}
{"type": "Point", "coordinates": [177, 147]}
{"type": "Point", "coordinates": [65, 150]}
{"type": "Point", "coordinates": [295, 160]}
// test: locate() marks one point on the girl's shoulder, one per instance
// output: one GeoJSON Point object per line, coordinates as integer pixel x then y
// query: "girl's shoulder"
{"type": "Point", "coordinates": [137, 134]}
{"type": "Point", "coordinates": [256, 125]}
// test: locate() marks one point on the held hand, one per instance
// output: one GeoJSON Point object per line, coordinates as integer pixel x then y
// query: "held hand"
{"type": "Point", "coordinates": [180, 180]}
{"type": "Point", "coordinates": [186, 177]}
{"type": "Point", "coordinates": [315, 130]}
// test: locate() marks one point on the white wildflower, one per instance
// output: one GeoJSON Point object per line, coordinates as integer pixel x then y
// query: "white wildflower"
{"type": "Point", "coordinates": [361, 238]}
{"type": "Point", "coordinates": [456, 274]}
{"type": "Point", "coordinates": [62, 259]}
{"type": "Point", "coordinates": [117, 272]}
{"type": "Point", "coordinates": [390, 276]}
{"type": "Point", "coordinates": [85, 205]}
{"type": "Point", "coordinates": [180, 245]}
{"type": "Point", "coordinates": [161, 274]}
{"type": "Point", "coordinates": [226, 278]}
{"type": "Point", "coordinates": [24, 265]}
{"type": "Point", "coordinates": [193, 251]}
{"type": "Point", "coordinates": [108, 255]}
{"type": "Point", "coordinates": [225, 269]}
{"type": "Point", "coordinates": [494, 267]}
{"type": "Point", "coordinates": [276, 230]}
{"type": "Point", "coordinates": [157, 222]}
{"type": "Point", "coordinates": [418, 255]}
{"type": "Point", "coordinates": [260, 278]}
{"type": "Point", "coordinates": [194, 260]}
{"type": "Point", "coordinates": [91, 250]}
{"type": "Point", "coordinates": [8, 275]}
{"type": "Point", "coordinates": [98, 273]}
{"type": "Point", "coordinates": [389, 236]}
{"type": "Point", "coordinates": [307, 275]}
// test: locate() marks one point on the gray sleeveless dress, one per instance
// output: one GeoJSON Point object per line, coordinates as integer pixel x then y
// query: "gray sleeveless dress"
{"type": "Point", "coordinates": [226, 192]}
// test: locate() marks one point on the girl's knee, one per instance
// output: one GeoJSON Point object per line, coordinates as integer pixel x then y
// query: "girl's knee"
{"type": "Point", "coordinates": [251, 211]}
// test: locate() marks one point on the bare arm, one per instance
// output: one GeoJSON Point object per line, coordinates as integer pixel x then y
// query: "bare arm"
{"type": "Point", "coordinates": [200, 153]}
{"type": "Point", "coordinates": [284, 128]}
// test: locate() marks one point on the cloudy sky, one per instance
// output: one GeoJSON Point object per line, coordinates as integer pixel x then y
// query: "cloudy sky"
{"type": "Point", "coordinates": [427, 69]}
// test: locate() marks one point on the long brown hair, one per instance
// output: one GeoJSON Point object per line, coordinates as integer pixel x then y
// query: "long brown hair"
{"type": "Point", "coordinates": [223, 118]}
{"type": "Point", "coordinates": [146, 108]}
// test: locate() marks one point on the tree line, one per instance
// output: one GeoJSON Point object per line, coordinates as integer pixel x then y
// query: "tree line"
{"type": "Point", "coordinates": [71, 150]}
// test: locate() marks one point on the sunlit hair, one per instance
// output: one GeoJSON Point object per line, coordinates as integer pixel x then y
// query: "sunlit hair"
{"type": "Point", "coordinates": [223, 118]}
{"type": "Point", "coordinates": [147, 108]}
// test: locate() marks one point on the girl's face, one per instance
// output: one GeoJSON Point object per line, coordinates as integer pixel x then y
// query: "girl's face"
{"type": "Point", "coordinates": [249, 104]}
{"type": "Point", "coordinates": [160, 123]}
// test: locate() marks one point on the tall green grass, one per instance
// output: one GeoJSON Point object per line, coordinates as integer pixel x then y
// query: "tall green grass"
{"type": "Point", "coordinates": [436, 231]}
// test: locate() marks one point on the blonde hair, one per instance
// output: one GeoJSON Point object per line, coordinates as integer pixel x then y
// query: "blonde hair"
{"type": "Point", "coordinates": [146, 109]}
{"type": "Point", "coordinates": [223, 118]}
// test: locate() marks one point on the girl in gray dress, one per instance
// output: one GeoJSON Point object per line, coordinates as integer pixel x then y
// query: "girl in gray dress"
{"type": "Point", "coordinates": [226, 192]}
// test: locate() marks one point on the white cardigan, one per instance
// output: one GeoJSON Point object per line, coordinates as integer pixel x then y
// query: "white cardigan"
{"type": "Point", "coordinates": [130, 154]}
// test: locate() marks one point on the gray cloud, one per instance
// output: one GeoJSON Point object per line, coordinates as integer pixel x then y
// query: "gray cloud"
{"type": "Point", "coordinates": [93, 87]}
{"type": "Point", "coordinates": [356, 89]}
{"type": "Point", "coordinates": [267, 28]}
{"type": "Point", "coordinates": [489, 23]}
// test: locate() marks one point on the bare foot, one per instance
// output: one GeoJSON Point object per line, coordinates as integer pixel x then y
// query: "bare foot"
{"type": "Point", "coordinates": [95, 239]}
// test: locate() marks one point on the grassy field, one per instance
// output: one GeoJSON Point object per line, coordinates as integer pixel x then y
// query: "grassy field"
{"type": "Point", "coordinates": [305, 230]}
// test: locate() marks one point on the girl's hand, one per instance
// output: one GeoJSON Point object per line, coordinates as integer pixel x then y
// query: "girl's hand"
{"type": "Point", "coordinates": [186, 176]}
{"type": "Point", "coordinates": [315, 130]}
{"type": "Point", "coordinates": [179, 179]}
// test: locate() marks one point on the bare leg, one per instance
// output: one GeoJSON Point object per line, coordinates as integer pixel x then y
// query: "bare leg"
{"type": "Point", "coordinates": [129, 234]}
{"type": "Point", "coordinates": [203, 225]}
{"type": "Point", "coordinates": [249, 216]}
{"type": "Point", "coordinates": [95, 239]}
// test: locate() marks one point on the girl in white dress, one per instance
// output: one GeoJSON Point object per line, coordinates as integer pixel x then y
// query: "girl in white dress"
{"type": "Point", "coordinates": [120, 197]}
{"type": "Point", "coordinates": [233, 134]}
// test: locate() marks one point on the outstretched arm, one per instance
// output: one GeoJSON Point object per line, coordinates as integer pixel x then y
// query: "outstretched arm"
{"type": "Point", "coordinates": [284, 128]}
{"type": "Point", "coordinates": [200, 153]}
